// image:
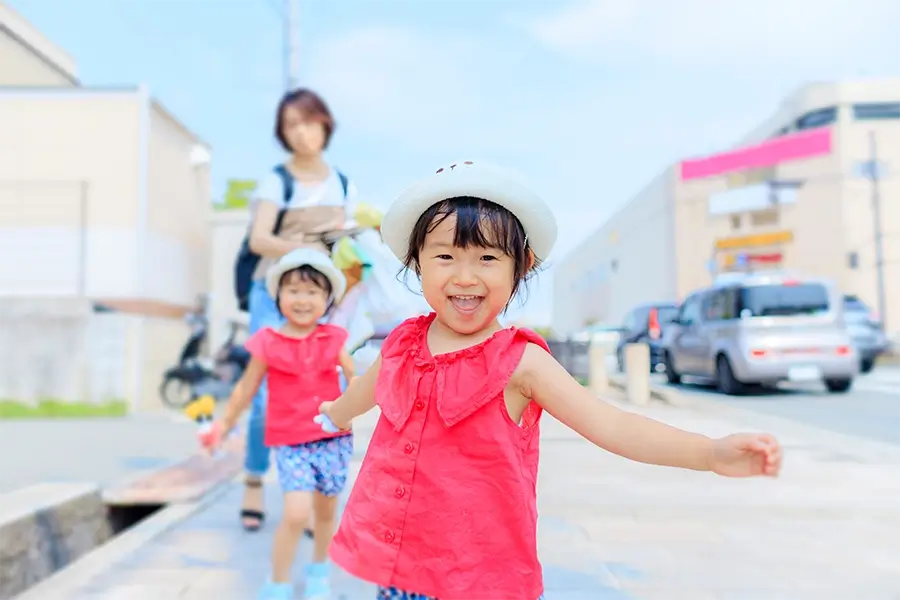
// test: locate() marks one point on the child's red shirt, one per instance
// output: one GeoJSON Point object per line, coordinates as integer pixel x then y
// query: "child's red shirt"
{"type": "Point", "coordinates": [302, 373]}
{"type": "Point", "coordinates": [445, 503]}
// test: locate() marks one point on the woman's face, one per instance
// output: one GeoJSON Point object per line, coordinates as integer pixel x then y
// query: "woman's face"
{"type": "Point", "coordinates": [305, 136]}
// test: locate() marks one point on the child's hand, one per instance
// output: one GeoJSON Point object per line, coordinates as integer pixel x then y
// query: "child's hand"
{"type": "Point", "coordinates": [746, 455]}
{"type": "Point", "coordinates": [324, 420]}
{"type": "Point", "coordinates": [211, 438]}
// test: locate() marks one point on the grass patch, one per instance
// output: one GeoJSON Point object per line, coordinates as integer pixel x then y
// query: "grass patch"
{"type": "Point", "coordinates": [57, 409]}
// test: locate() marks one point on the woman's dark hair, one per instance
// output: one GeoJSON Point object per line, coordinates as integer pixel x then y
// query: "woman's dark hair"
{"type": "Point", "coordinates": [305, 273]}
{"type": "Point", "coordinates": [479, 223]}
{"type": "Point", "coordinates": [312, 106]}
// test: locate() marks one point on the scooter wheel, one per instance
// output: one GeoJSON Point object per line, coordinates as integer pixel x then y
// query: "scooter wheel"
{"type": "Point", "coordinates": [175, 392]}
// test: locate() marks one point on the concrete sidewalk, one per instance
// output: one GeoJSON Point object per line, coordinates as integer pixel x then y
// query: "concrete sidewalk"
{"type": "Point", "coordinates": [829, 528]}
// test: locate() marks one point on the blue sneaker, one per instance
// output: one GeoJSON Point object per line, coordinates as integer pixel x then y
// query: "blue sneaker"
{"type": "Point", "coordinates": [276, 591]}
{"type": "Point", "coordinates": [318, 586]}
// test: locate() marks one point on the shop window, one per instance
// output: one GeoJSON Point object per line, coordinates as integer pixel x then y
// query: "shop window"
{"type": "Point", "coordinates": [735, 222]}
{"type": "Point", "coordinates": [817, 118]}
{"type": "Point", "coordinates": [853, 260]}
{"type": "Point", "coordinates": [876, 111]}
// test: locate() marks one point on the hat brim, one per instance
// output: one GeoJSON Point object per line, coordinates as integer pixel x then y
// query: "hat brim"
{"type": "Point", "coordinates": [313, 258]}
{"type": "Point", "coordinates": [488, 183]}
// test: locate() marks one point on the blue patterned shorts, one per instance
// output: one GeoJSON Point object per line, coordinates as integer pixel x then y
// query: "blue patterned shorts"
{"type": "Point", "coordinates": [319, 466]}
{"type": "Point", "coordinates": [392, 593]}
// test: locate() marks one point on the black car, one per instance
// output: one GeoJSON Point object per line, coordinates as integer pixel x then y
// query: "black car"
{"type": "Point", "coordinates": [644, 324]}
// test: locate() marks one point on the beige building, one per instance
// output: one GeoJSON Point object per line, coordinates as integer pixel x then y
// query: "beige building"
{"type": "Point", "coordinates": [794, 194]}
{"type": "Point", "coordinates": [104, 198]}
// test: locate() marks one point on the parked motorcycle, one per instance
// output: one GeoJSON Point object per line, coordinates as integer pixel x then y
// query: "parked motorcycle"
{"type": "Point", "coordinates": [191, 378]}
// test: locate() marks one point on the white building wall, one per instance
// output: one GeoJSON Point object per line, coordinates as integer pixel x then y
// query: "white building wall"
{"type": "Point", "coordinates": [227, 231]}
{"type": "Point", "coordinates": [628, 261]}
{"type": "Point", "coordinates": [69, 166]}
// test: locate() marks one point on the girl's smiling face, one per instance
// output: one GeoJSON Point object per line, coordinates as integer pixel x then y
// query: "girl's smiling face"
{"type": "Point", "coordinates": [303, 297]}
{"type": "Point", "coordinates": [466, 287]}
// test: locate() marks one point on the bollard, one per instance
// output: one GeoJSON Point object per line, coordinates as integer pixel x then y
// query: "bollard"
{"type": "Point", "coordinates": [598, 378]}
{"type": "Point", "coordinates": [637, 373]}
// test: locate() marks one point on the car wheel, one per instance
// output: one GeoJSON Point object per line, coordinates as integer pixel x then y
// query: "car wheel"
{"type": "Point", "coordinates": [838, 386]}
{"type": "Point", "coordinates": [866, 365]}
{"type": "Point", "coordinates": [671, 375]}
{"type": "Point", "coordinates": [725, 379]}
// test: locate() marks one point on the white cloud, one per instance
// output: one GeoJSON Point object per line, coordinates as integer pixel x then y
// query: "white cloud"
{"type": "Point", "coordinates": [737, 33]}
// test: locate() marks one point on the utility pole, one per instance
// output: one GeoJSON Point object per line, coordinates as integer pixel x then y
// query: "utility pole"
{"type": "Point", "coordinates": [874, 176]}
{"type": "Point", "coordinates": [291, 44]}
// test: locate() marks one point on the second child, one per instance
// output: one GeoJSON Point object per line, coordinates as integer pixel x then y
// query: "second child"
{"type": "Point", "coordinates": [300, 360]}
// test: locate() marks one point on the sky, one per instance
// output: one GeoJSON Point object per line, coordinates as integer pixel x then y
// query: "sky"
{"type": "Point", "coordinates": [590, 99]}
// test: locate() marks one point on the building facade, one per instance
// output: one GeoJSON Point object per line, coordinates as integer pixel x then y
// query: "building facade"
{"type": "Point", "coordinates": [104, 197]}
{"type": "Point", "coordinates": [798, 193]}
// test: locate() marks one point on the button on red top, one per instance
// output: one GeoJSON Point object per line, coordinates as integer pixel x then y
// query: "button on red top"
{"type": "Point", "coordinates": [302, 373]}
{"type": "Point", "coordinates": [468, 494]}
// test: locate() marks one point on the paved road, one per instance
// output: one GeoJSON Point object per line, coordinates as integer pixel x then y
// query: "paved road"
{"type": "Point", "coordinates": [609, 529]}
{"type": "Point", "coordinates": [871, 410]}
{"type": "Point", "coordinates": [101, 451]}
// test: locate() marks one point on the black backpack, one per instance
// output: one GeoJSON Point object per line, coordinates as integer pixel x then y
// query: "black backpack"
{"type": "Point", "coordinates": [247, 261]}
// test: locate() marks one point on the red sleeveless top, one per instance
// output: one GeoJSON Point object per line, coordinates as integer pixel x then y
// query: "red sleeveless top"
{"type": "Point", "coordinates": [301, 374]}
{"type": "Point", "coordinates": [445, 503]}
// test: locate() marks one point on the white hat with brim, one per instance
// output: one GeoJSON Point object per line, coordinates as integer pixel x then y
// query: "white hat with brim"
{"type": "Point", "coordinates": [477, 180]}
{"type": "Point", "coordinates": [319, 261]}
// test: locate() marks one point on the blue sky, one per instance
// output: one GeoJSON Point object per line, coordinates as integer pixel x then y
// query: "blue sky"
{"type": "Point", "coordinates": [590, 99]}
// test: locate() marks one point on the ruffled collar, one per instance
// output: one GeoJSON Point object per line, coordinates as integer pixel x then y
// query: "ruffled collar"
{"type": "Point", "coordinates": [459, 382]}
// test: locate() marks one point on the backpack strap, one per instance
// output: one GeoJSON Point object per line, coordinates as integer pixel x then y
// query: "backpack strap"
{"type": "Point", "coordinates": [287, 186]}
{"type": "Point", "coordinates": [345, 184]}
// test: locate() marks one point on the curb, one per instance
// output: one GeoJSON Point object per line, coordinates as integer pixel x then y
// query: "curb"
{"type": "Point", "coordinates": [62, 584]}
{"type": "Point", "coordinates": [660, 393]}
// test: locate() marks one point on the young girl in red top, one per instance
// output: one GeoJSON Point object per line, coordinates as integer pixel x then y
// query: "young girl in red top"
{"type": "Point", "coordinates": [445, 503]}
{"type": "Point", "coordinates": [300, 360]}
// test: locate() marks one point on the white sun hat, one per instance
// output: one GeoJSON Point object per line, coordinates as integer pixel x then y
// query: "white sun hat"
{"type": "Point", "coordinates": [319, 261]}
{"type": "Point", "coordinates": [478, 180]}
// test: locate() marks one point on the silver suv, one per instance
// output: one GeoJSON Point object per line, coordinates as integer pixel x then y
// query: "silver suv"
{"type": "Point", "coordinates": [762, 329]}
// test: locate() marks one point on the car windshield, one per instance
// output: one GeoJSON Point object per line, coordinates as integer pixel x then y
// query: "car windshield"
{"type": "Point", "coordinates": [784, 300]}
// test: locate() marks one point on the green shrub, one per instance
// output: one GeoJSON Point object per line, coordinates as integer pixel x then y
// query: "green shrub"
{"type": "Point", "coordinates": [58, 409]}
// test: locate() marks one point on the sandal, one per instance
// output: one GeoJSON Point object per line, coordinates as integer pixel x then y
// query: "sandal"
{"type": "Point", "coordinates": [252, 519]}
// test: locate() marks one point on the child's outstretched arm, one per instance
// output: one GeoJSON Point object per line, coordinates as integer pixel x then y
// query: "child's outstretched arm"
{"type": "Point", "coordinates": [242, 394]}
{"type": "Point", "coordinates": [359, 398]}
{"type": "Point", "coordinates": [636, 437]}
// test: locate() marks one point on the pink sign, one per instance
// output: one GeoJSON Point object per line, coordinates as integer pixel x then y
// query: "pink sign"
{"type": "Point", "coordinates": [805, 144]}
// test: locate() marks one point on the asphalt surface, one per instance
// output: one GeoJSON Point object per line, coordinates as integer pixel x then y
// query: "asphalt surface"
{"type": "Point", "coordinates": [870, 410]}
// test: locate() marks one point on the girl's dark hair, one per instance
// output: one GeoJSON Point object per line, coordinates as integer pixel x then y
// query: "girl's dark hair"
{"type": "Point", "coordinates": [479, 223]}
{"type": "Point", "coordinates": [312, 106]}
{"type": "Point", "coordinates": [305, 273]}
